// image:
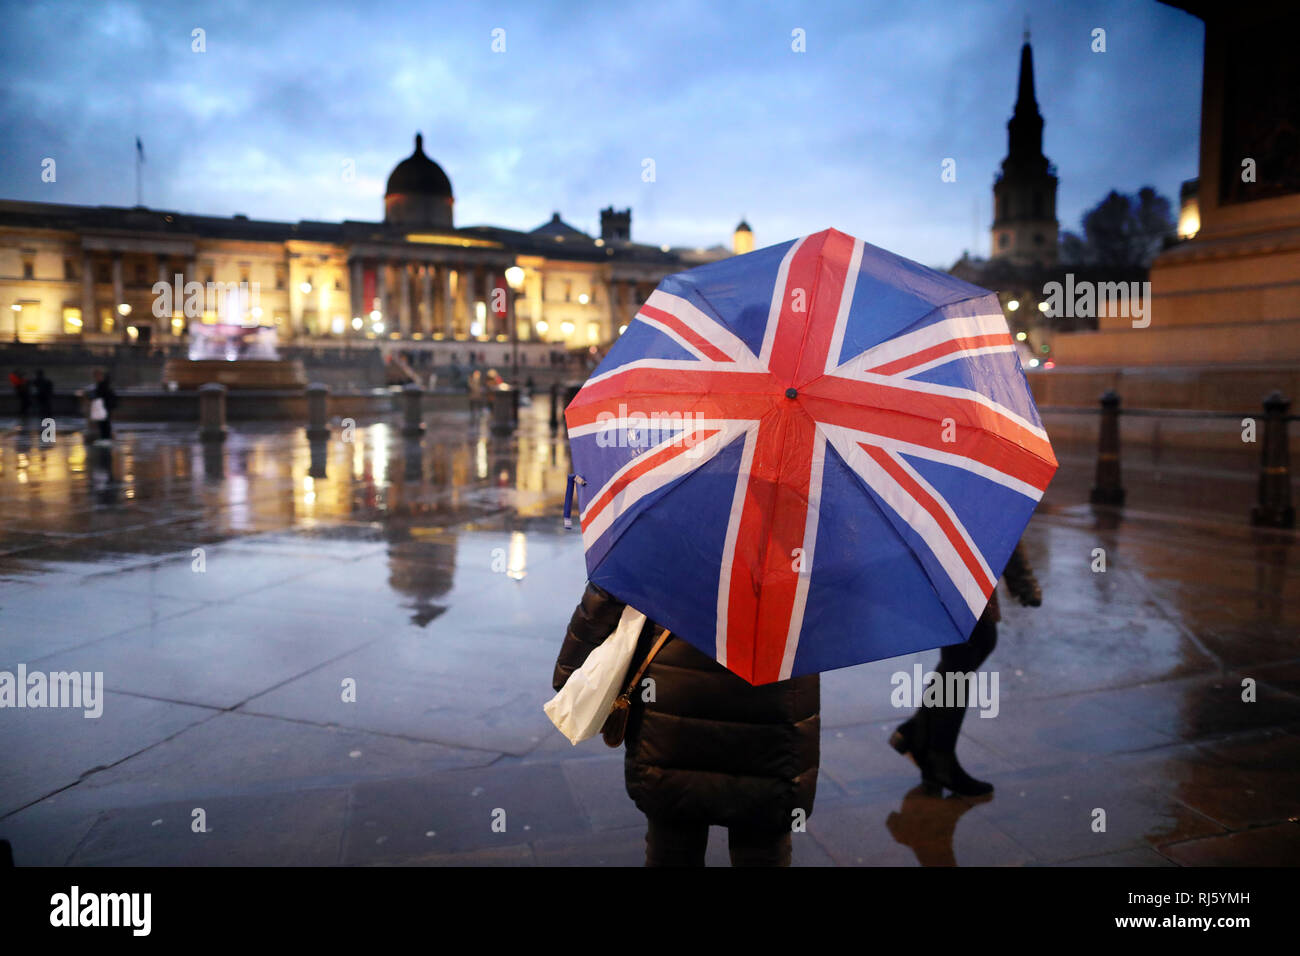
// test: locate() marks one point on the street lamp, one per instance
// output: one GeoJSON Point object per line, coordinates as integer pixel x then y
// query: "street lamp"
{"type": "Point", "coordinates": [515, 279]}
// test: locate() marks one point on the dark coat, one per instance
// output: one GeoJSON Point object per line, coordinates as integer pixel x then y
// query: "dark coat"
{"type": "Point", "coordinates": [711, 747]}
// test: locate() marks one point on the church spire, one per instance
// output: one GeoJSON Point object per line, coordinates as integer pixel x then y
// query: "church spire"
{"type": "Point", "coordinates": [1025, 102]}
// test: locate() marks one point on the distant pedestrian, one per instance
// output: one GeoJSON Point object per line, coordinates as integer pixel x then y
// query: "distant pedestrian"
{"type": "Point", "coordinates": [930, 735]}
{"type": "Point", "coordinates": [44, 390]}
{"type": "Point", "coordinates": [22, 391]}
{"type": "Point", "coordinates": [102, 402]}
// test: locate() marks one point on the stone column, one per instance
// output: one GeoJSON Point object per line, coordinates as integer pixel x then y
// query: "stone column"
{"type": "Point", "coordinates": [465, 290]}
{"type": "Point", "coordinates": [89, 320]}
{"type": "Point", "coordinates": [448, 304]}
{"type": "Point", "coordinates": [192, 274]}
{"type": "Point", "coordinates": [163, 326]}
{"type": "Point", "coordinates": [357, 280]}
{"type": "Point", "coordinates": [404, 299]}
{"type": "Point", "coordinates": [611, 309]}
{"type": "Point", "coordinates": [426, 299]}
{"type": "Point", "coordinates": [493, 323]}
{"type": "Point", "coordinates": [381, 291]}
{"type": "Point", "coordinates": [117, 287]}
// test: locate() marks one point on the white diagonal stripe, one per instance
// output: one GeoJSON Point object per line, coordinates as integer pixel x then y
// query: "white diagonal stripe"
{"type": "Point", "coordinates": [928, 337]}
{"type": "Point", "coordinates": [916, 517]}
{"type": "Point", "coordinates": [778, 300]}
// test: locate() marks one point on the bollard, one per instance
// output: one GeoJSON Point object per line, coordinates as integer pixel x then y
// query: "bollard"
{"type": "Point", "coordinates": [505, 409]}
{"type": "Point", "coordinates": [1109, 489]}
{"type": "Point", "coordinates": [555, 405]}
{"type": "Point", "coordinates": [319, 458]}
{"type": "Point", "coordinates": [412, 410]}
{"type": "Point", "coordinates": [1274, 509]}
{"type": "Point", "coordinates": [317, 402]}
{"type": "Point", "coordinates": [212, 412]}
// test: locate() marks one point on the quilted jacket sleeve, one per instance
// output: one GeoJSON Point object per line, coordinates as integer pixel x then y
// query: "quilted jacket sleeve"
{"type": "Point", "coordinates": [594, 619]}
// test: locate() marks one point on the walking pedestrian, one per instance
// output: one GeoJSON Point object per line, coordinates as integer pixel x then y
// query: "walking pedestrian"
{"type": "Point", "coordinates": [44, 390]}
{"type": "Point", "coordinates": [22, 392]}
{"type": "Point", "coordinates": [103, 399]}
{"type": "Point", "coordinates": [710, 749]}
{"type": "Point", "coordinates": [929, 736]}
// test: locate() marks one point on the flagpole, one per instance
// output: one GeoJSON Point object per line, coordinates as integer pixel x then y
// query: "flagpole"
{"type": "Point", "coordinates": [139, 161]}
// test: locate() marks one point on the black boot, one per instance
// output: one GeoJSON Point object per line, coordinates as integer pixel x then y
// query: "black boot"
{"type": "Point", "coordinates": [938, 755]}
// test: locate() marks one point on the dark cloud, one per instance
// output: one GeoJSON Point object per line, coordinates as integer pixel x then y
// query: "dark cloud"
{"type": "Point", "coordinates": [851, 133]}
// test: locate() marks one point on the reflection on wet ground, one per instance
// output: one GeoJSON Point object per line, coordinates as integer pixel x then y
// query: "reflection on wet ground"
{"type": "Point", "coordinates": [233, 595]}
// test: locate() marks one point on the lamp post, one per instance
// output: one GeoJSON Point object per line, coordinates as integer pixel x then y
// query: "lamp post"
{"type": "Point", "coordinates": [515, 279]}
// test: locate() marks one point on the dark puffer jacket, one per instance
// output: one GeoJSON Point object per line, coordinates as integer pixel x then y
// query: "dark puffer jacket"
{"type": "Point", "coordinates": [710, 747]}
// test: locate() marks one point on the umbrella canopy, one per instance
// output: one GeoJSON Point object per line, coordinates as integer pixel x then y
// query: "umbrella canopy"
{"type": "Point", "coordinates": [807, 457]}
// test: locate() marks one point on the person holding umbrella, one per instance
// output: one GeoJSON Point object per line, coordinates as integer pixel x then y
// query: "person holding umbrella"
{"type": "Point", "coordinates": [711, 750]}
{"type": "Point", "coordinates": [794, 460]}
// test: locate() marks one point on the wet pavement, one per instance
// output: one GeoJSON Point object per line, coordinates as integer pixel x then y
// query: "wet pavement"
{"type": "Point", "coordinates": [233, 597]}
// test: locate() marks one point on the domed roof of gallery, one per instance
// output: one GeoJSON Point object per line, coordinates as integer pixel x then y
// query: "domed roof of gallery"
{"type": "Point", "coordinates": [418, 175]}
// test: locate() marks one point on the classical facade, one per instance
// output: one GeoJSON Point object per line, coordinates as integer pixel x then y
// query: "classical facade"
{"type": "Point", "coordinates": [97, 273]}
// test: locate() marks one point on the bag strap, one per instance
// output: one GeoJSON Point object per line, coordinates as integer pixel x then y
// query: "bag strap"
{"type": "Point", "coordinates": [636, 679]}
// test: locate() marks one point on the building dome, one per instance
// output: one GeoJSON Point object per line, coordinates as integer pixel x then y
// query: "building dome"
{"type": "Point", "coordinates": [742, 240]}
{"type": "Point", "coordinates": [419, 192]}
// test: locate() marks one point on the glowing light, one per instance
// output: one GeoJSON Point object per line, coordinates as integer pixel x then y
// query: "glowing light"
{"type": "Point", "coordinates": [583, 299]}
{"type": "Point", "coordinates": [515, 277]}
{"type": "Point", "coordinates": [518, 556]}
{"type": "Point", "coordinates": [257, 312]}
{"type": "Point", "coordinates": [132, 332]}
{"type": "Point", "coordinates": [337, 325]}
{"type": "Point", "coordinates": [356, 322]}
{"type": "Point", "coordinates": [543, 326]}
{"type": "Point", "coordinates": [622, 329]}
{"type": "Point", "coordinates": [567, 327]}
{"type": "Point", "coordinates": [379, 328]}
{"type": "Point", "coordinates": [1049, 364]}
{"type": "Point", "coordinates": [1021, 336]}
{"type": "Point", "coordinates": [123, 309]}
{"type": "Point", "coordinates": [1033, 363]}
{"type": "Point", "coordinates": [376, 315]}
{"type": "Point", "coordinates": [305, 288]}
{"type": "Point", "coordinates": [1013, 305]}
{"type": "Point", "coordinates": [1043, 307]}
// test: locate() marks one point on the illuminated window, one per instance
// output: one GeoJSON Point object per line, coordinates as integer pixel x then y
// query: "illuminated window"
{"type": "Point", "coordinates": [71, 320]}
{"type": "Point", "coordinates": [106, 319]}
{"type": "Point", "coordinates": [593, 332]}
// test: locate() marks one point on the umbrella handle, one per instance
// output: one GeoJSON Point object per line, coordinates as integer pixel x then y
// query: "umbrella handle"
{"type": "Point", "coordinates": [568, 498]}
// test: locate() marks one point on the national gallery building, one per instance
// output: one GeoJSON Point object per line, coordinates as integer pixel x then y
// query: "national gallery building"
{"type": "Point", "coordinates": [88, 273]}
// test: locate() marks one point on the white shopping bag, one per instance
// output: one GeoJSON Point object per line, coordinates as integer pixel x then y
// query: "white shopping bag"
{"type": "Point", "coordinates": [580, 708]}
{"type": "Point", "coordinates": [97, 410]}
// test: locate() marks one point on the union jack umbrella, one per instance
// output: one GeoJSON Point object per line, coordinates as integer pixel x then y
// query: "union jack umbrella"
{"type": "Point", "coordinates": [807, 457]}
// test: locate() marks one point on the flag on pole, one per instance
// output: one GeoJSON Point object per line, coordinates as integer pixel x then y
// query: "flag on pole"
{"type": "Point", "coordinates": [139, 149]}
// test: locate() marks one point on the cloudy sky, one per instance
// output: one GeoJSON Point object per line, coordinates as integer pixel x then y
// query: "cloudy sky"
{"type": "Point", "coordinates": [851, 133]}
